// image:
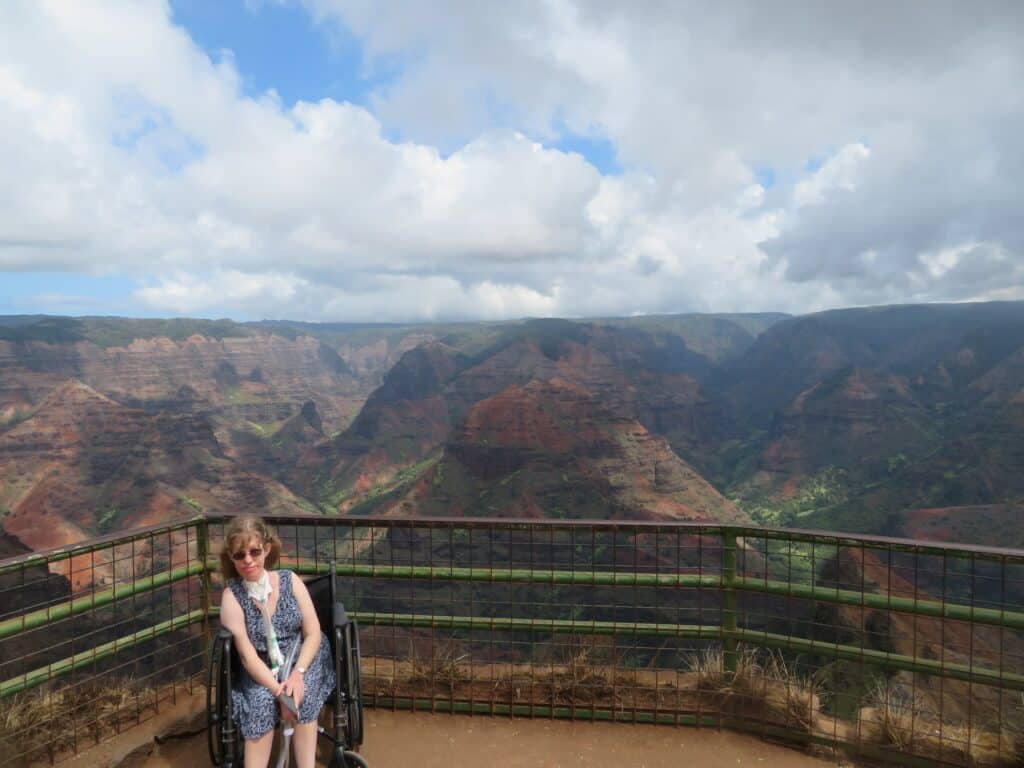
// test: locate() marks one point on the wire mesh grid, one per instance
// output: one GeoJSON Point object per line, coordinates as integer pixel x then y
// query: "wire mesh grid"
{"type": "Point", "coordinates": [904, 651]}
{"type": "Point", "coordinates": [95, 639]}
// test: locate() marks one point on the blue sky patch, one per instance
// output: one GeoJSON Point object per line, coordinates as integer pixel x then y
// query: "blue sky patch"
{"type": "Point", "coordinates": [68, 293]}
{"type": "Point", "coordinates": [765, 176]}
{"type": "Point", "coordinates": [815, 162]}
{"type": "Point", "coordinates": [280, 47]}
{"type": "Point", "coordinates": [599, 151]}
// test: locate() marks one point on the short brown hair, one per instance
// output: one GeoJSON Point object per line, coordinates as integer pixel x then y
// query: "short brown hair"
{"type": "Point", "coordinates": [248, 527]}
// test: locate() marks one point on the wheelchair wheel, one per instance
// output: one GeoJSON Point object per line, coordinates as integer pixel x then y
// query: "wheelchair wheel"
{"type": "Point", "coordinates": [224, 739]}
{"type": "Point", "coordinates": [354, 688]}
{"type": "Point", "coordinates": [348, 691]}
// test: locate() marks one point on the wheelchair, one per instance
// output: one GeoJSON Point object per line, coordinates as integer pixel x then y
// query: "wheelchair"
{"type": "Point", "coordinates": [224, 738]}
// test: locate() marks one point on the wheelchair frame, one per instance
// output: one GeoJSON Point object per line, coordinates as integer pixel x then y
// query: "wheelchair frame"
{"type": "Point", "coordinates": [224, 738]}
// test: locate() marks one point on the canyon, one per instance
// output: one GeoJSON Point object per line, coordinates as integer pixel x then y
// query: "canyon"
{"type": "Point", "coordinates": [878, 420]}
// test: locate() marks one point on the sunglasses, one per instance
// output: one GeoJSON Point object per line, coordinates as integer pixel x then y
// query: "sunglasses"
{"type": "Point", "coordinates": [254, 553]}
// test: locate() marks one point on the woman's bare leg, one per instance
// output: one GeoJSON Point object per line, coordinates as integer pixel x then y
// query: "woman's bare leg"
{"type": "Point", "coordinates": [304, 741]}
{"type": "Point", "coordinates": [257, 751]}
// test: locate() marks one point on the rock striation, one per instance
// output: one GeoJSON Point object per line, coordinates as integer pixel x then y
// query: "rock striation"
{"type": "Point", "coordinates": [83, 465]}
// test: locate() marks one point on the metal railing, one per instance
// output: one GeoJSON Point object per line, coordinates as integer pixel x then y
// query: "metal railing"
{"type": "Point", "coordinates": [904, 651]}
{"type": "Point", "coordinates": [98, 637]}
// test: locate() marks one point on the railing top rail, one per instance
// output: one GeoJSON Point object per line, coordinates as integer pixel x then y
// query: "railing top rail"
{"type": "Point", "coordinates": [98, 542]}
{"type": "Point", "coordinates": [837, 538]}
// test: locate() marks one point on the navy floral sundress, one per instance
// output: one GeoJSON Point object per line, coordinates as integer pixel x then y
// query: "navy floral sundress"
{"type": "Point", "coordinates": [255, 709]}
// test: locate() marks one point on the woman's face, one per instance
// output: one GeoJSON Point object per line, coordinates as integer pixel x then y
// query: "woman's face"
{"type": "Point", "coordinates": [248, 555]}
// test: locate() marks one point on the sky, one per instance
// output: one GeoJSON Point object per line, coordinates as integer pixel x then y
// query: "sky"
{"type": "Point", "coordinates": [375, 160]}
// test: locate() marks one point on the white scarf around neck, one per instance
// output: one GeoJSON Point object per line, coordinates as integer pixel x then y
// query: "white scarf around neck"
{"type": "Point", "coordinates": [260, 591]}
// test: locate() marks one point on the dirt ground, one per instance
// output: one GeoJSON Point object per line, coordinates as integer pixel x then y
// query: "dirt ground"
{"type": "Point", "coordinates": [401, 740]}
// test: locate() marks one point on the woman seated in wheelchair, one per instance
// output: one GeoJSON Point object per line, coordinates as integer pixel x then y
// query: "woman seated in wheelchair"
{"type": "Point", "coordinates": [268, 612]}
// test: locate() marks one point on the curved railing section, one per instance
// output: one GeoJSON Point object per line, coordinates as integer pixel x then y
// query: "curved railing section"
{"type": "Point", "coordinates": [906, 651]}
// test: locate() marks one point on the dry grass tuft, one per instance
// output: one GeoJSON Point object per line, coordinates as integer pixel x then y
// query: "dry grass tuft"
{"type": "Point", "coordinates": [444, 667]}
{"type": "Point", "coordinates": [763, 685]}
{"type": "Point", "coordinates": [581, 681]}
{"type": "Point", "coordinates": [896, 718]}
{"type": "Point", "coordinates": [893, 714]}
{"type": "Point", "coordinates": [583, 677]}
{"type": "Point", "coordinates": [708, 666]}
{"type": "Point", "coordinates": [39, 723]}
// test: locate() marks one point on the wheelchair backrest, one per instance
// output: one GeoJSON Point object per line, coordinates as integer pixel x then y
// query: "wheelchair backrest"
{"type": "Point", "coordinates": [320, 592]}
{"type": "Point", "coordinates": [329, 610]}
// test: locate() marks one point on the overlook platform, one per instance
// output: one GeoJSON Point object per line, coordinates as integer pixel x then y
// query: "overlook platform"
{"type": "Point", "coordinates": [399, 739]}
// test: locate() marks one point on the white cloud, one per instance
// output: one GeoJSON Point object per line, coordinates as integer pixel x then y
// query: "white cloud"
{"type": "Point", "coordinates": [838, 172]}
{"type": "Point", "coordinates": [684, 90]}
{"type": "Point", "coordinates": [137, 154]}
{"type": "Point", "coordinates": [938, 263]}
{"type": "Point", "coordinates": [186, 293]}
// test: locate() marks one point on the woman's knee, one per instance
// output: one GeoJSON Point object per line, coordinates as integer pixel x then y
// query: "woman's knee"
{"type": "Point", "coordinates": [265, 738]}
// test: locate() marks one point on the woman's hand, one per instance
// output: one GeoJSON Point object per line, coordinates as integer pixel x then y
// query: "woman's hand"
{"type": "Point", "coordinates": [295, 686]}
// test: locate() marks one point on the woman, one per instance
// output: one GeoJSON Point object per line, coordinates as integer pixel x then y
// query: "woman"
{"type": "Point", "coordinates": [268, 612]}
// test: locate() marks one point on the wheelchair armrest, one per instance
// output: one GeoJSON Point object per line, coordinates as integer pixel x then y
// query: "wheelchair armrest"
{"type": "Point", "coordinates": [340, 617]}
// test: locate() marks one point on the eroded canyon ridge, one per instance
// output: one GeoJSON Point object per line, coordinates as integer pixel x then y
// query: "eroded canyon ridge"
{"type": "Point", "coordinates": [900, 420]}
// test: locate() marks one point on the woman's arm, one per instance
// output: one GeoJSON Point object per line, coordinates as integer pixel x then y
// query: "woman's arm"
{"type": "Point", "coordinates": [233, 619]}
{"type": "Point", "coordinates": [295, 685]}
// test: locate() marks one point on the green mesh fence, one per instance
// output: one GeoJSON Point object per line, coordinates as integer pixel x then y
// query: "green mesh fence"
{"type": "Point", "coordinates": [902, 651]}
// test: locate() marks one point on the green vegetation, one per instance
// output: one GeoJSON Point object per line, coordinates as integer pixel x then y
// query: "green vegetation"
{"type": "Point", "coordinates": [12, 486]}
{"type": "Point", "coordinates": [238, 396]}
{"type": "Point", "coordinates": [896, 463]}
{"type": "Point", "coordinates": [718, 337]}
{"type": "Point", "coordinates": [51, 330]}
{"type": "Point", "coordinates": [375, 496]}
{"type": "Point", "coordinates": [15, 418]}
{"type": "Point", "coordinates": [188, 501]}
{"type": "Point", "coordinates": [735, 460]}
{"type": "Point", "coordinates": [331, 496]}
{"type": "Point", "coordinates": [826, 490]}
{"type": "Point", "coordinates": [307, 506]}
{"type": "Point", "coordinates": [824, 496]}
{"type": "Point", "coordinates": [106, 519]}
{"type": "Point", "coordinates": [117, 331]}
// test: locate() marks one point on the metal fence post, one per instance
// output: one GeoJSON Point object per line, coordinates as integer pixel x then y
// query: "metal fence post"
{"type": "Point", "coordinates": [729, 626]}
{"type": "Point", "coordinates": [202, 551]}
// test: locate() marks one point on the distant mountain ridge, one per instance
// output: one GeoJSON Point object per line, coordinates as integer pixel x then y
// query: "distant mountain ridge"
{"type": "Point", "coordinates": [837, 419]}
